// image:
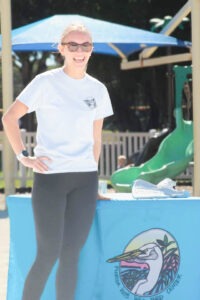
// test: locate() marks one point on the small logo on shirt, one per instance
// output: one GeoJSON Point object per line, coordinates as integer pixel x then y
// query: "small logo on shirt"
{"type": "Point", "coordinates": [91, 103]}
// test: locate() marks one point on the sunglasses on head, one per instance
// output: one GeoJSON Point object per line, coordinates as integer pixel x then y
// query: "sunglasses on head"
{"type": "Point", "coordinates": [73, 47]}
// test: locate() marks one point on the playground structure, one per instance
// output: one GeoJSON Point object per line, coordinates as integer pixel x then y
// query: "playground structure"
{"type": "Point", "coordinates": [150, 148]}
{"type": "Point", "coordinates": [174, 153]}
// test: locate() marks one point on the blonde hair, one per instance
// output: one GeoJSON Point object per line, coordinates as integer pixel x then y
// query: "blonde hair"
{"type": "Point", "coordinates": [121, 157]}
{"type": "Point", "coordinates": [75, 27]}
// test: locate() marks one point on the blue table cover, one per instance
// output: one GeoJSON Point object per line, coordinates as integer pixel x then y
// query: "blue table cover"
{"type": "Point", "coordinates": [137, 249]}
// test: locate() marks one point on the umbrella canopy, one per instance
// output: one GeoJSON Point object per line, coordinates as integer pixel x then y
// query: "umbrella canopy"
{"type": "Point", "coordinates": [108, 38]}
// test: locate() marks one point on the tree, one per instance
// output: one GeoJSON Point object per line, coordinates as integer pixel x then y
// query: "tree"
{"type": "Point", "coordinates": [128, 89]}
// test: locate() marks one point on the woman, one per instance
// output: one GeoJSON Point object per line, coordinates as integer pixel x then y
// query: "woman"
{"type": "Point", "coordinates": [70, 106]}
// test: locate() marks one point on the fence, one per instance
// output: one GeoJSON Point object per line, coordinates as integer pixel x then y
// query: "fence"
{"type": "Point", "coordinates": [113, 145]}
{"type": "Point", "coordinates": [118, 143]}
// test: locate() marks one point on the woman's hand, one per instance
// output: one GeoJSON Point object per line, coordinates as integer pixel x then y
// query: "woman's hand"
{"type": "Point", "coordinates": [36, 163]}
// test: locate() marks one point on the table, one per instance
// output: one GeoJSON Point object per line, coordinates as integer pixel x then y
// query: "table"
{"type": "Point", "coordinates": [137, 249]}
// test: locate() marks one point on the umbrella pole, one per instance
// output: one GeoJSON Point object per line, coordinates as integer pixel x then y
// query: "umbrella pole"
{"type": "Point", "coordinates": [196, 91]}
{"type": "Point", "coordinates": [7, 86]}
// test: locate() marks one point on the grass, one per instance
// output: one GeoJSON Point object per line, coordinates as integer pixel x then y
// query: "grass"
{"type": "Point", "coordinates": [17, 183]}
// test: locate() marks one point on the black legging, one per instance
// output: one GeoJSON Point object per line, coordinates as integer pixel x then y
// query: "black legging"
{"type": "Point", "coordinates": [64, 206]}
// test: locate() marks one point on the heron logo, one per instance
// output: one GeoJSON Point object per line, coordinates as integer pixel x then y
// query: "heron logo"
{"type": "Point", "coordinates": [149, 263]}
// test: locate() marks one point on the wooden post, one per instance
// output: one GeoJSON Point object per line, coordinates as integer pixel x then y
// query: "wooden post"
{"type": "Point", "coordinates": [7, 86]}
{"type": "Point", "coordinates": [196, 91]}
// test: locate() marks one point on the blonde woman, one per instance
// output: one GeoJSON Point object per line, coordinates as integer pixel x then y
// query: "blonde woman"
{"type": "Point", "coordinates": [70, 106]}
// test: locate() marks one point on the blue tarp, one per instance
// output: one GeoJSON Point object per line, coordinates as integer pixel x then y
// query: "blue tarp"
{"type": "Point", "coordinates": [108, 37]}
{"type": "Point", "coordinates": [154, 238]}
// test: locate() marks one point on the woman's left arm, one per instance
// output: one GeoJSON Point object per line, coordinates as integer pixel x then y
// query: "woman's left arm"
{"type": "Point", "coordinates": [97, 133]}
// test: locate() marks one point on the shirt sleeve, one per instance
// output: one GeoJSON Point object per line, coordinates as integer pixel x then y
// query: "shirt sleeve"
{"type": "Point", "coordinates": [32, 94]}
{"type": "Point", "coordinates": [104, 107]}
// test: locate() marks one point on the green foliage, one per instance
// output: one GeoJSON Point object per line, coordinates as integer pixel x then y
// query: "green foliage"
{"type": "Point", "coordinates": [128, 12]}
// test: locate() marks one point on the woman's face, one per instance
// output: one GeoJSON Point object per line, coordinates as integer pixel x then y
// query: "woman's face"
{"type": "Point", "coordinates": [76, 47]}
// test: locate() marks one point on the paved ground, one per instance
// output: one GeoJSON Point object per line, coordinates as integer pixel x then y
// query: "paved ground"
{"type": "Point", "coordinates": [4, 248]}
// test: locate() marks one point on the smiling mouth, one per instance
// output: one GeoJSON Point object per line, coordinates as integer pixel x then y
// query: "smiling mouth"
{"type": "Point", "coordinates": [79, 60]}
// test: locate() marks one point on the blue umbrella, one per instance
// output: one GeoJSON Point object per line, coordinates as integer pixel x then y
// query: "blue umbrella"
{"type": "Point", "coordinates": [109, 38]}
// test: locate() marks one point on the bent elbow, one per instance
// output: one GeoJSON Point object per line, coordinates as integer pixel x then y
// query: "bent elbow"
{"type": "Point", "coordinates": [5, 119]}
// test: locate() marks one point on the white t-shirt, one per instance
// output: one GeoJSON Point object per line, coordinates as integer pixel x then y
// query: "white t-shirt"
{"type": "Point", "coordinates": [66, 109]}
